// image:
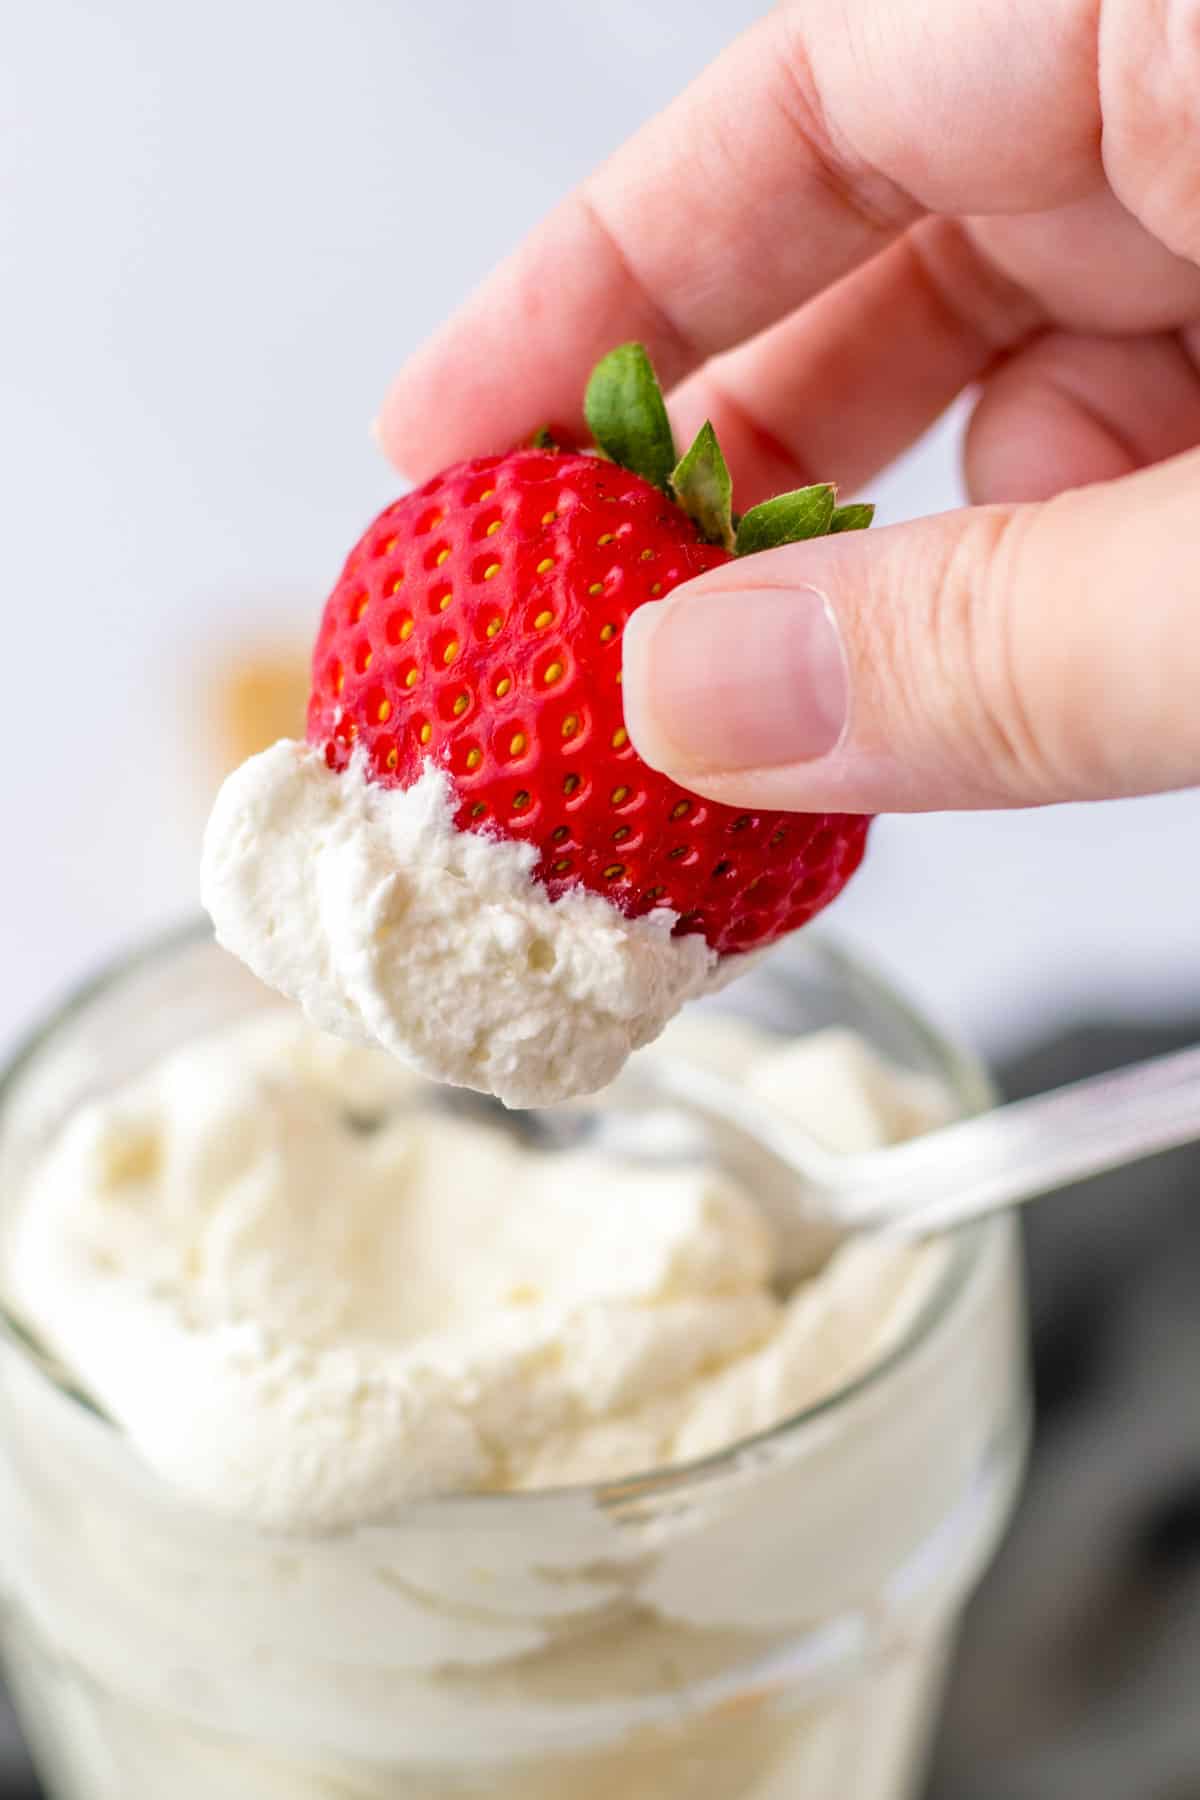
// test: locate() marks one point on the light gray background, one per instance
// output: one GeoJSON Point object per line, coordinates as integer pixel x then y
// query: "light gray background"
{"type": "Point", "coordinates": [221, 227]}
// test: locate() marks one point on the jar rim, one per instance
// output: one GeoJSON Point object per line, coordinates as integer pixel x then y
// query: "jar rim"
{"type": "Point", "coordinates": [962, 1073]}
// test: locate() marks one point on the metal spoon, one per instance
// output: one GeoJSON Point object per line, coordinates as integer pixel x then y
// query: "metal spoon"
{"type": "Point", "coordinates": [958, 1172]}
{"type": "Point", "coordinates": [664, 1111]}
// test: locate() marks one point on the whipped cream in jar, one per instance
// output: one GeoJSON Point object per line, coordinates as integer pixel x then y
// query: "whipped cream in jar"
{"type": "Point", "coordinates": [328, 1474]}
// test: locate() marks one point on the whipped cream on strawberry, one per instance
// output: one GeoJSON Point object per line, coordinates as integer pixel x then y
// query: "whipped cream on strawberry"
{"type": "Point", "coordinates": [470, 865]}
{"type": "Point", "coordinates": [393, 928]}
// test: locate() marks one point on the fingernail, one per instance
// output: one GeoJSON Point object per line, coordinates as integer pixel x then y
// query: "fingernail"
{"type": "Point", "coordinates": [722, 680]}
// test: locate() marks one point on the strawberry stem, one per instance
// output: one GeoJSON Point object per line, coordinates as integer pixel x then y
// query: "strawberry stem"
{"type": "Point", "coordinates": [627, 415]}
{"type": "Point", "coordinates": [702, 485]}
{"type": "Point", "coordinates": [807, 513]}
{"type": "Point", "coordinates": [852, 518]}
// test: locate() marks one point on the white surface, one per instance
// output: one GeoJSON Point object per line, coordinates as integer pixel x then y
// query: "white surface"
{"type": "Point", "coordinates": [220, 229]}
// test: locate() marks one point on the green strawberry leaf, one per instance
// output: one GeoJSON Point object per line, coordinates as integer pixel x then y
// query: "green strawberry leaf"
{"type": "Point", "coordinates": [627, 416]}
{"type": "Point", "coordinates": [543, 439]}
{"type": "Point", "coordinates": [703, 486]}
{"type": "Point", "coordinates": [787, 519]}
{"type": "Point", "coordinates": [852, 518]}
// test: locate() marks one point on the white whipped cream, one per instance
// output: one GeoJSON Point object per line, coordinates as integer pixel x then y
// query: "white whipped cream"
{"type": "Point", "coordinates": [775, 1624]}
{"type": "Point", "coordinates": [308, 1296]}
{"type": "Point", "coordinates": [393, 928]}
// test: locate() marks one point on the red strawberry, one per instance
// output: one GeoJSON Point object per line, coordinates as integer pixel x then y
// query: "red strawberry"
{"type": "Point", "coordinates": [477, 623]}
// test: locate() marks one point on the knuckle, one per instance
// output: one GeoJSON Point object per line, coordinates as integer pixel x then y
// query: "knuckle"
{"type": "Point", "coordinates": [1150, 105]}
{"type": "Point", "coordinates": [1043, 721]}
{"type": "Point", "coordinates": [1023, 754]}
{"type": "Point", "coordinates": [961, 678]}
{"type": "Point", "coordinates": [676, 344]}
{"type": "Point", "coordinates": [859, 189]}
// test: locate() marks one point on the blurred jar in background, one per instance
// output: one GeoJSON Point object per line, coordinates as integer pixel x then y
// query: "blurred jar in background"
{"type": "Point", "coordinates": [260, 695]}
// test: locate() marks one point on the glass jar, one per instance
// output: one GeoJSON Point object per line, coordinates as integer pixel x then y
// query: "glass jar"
{"type": "Point", "coordinates": [771, 1623]}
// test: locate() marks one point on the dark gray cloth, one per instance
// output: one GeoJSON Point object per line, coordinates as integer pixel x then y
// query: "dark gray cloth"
{"type": "Point", "coordinates": [1079, 1674]}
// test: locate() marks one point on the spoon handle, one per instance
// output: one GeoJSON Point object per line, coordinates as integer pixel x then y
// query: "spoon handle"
{"type": "Point", "coordinates": [1031, 1147]}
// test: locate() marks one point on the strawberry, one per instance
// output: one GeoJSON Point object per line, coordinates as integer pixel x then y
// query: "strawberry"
{"type": "Point", "coordinates": [477, 623]}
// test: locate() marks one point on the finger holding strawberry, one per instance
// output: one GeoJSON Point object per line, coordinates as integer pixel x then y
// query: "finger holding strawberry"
{"type": "Point", "coordinates": [470, 838]}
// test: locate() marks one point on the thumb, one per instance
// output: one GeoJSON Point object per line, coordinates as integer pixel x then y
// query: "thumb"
{"type": "Point", "coordinates": [997, 656]}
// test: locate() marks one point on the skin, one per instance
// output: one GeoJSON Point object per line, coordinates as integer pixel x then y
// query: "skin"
{"type": "Point", "coordinates": [861, 209]}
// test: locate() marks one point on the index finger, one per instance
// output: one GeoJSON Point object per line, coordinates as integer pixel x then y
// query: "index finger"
{"type": "Point", "coordinates": [821, 134]}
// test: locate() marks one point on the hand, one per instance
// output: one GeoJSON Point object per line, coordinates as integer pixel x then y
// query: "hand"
{"type": "Point", "coordinates": [862, 208]}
